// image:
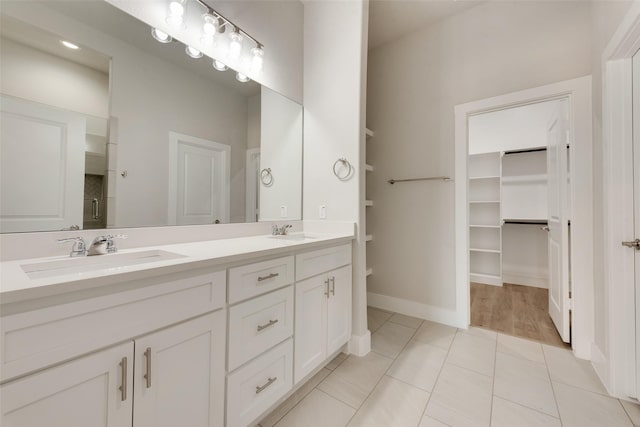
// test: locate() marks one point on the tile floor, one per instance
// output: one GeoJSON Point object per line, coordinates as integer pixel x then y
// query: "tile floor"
{"type": "Point", "coordinates": [424, 374]}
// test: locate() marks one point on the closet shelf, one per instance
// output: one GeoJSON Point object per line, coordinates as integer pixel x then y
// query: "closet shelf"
{"type": "Point", "coordinates": [368, 202]}
{"type": "Point", "coordinates": [368, 168]}
{"type": "Point", "coordinates": [524, 179]}
{"type": "Point", "coordinates": [368, 237]}
{"type": "Point", "coordinates": [484, 226]}
{"type": "Point", "coordinates": [473, 178]}
{"type": "Point", "coordinates": [369, 271]}
{"type": "Point", "coordinates": [483, 201]}
{"type": "Point", "coordinates": [490, 251]}
{"type": "Point", "coordinates": [369, 133]}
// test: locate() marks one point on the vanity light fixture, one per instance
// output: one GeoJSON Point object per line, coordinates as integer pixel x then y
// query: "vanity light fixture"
{"type": "Point", "coordinates": [220, 66]}
{"type": "Point", "coordinates": [241, 77]}
{"type": "Point", "coordinates": [69, 45]}
{"type": "Point", "coordinates": [175, 15]}
{"type": "Point", "coordinates": [210, 27]}
{"type": "Point", "coordinates": [161, 36]}
{"type": "Point", "coordinates": [193, 52]}
{"type": "Point", "coordinates": [235, 44]}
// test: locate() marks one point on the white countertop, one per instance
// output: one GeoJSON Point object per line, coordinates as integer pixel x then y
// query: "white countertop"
{"type": "Point", "coordinates": [16, 286]}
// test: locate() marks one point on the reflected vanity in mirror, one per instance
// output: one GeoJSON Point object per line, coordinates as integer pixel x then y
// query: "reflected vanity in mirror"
{"type": "Point", "coordinates": [124, 131]}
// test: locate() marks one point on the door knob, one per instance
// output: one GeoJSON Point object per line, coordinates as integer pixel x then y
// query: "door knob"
{"type": "Point", "coordinates": [632, 244]}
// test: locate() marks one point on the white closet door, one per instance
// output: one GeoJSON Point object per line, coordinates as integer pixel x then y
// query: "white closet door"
{"type": "Point", "coordinates": [42, 167]}
{"type": "Point", "coordinates": [636, 200]}
{"type": "Point", "coordinates": [557, 140]}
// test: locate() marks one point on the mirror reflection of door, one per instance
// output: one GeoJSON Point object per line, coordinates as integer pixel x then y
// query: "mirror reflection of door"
{"type": "Point", "coordinates": [253, 185]}
{"type": "Point", "coordinates": [198, 180]}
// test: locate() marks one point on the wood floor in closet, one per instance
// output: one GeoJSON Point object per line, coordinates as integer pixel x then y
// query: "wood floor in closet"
{"type": "Point", "coordinates": [517, 310]}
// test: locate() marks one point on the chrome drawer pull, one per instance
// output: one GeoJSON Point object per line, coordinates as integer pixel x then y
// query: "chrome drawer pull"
{"type": "Point", "coordinates": [326, 288]}
{"type": "Point", "coordinates": [123, 384]}
{"type": "Point", "coordinates": [147, 376]}
{"type": "Point", "coordinates": [333, 285]}
{"type": "Point", "coordinates": [271, 323]}
{"type": "Point", "coordinates": [269, 382]}
{"type": "Point", "coordinates": [270, 276]}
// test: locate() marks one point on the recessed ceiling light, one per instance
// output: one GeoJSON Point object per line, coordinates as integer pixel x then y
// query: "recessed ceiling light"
{"type": "Point", "coordinates": [69, 45]}
{"type": "Point", "coordinates": [242, 78]}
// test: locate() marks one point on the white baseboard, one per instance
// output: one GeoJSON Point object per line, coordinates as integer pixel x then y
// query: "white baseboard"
{"type": "Point", "coordinates": [416, 309]}
{"type": "Point", "coordinates": [360, 345]}
{"type": "Point", "coordinates": [485, 279]}
{"type": "Point", "coordinates": [525, 279]}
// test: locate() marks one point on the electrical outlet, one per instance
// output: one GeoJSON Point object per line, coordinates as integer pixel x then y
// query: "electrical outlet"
{"type": "Point", "coordinates": [283, 212]}
{"type": "Point", "coordinates": [322, 212]}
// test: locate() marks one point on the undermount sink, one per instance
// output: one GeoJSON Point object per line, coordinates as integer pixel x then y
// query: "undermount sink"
{"type": "Point", "coordinates": [40, 270]}
{"type": "Point", "coordinates": [294, 236]}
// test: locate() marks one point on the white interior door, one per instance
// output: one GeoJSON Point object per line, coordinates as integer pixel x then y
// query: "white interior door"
{"type": "Point", "coordinates": [636, 202]}
{"type": "Point", "coordinates": [199, 178]}
{"type": "Point", "coordinates": [42, 166]}
{"type": "Point", "coordinates": [557, 140]}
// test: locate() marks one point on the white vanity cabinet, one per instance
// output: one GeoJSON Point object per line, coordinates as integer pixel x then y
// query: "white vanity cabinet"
{"type": "Point", "coordinates": [323, 306]}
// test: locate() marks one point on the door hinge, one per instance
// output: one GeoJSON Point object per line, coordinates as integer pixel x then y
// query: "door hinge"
{"type": "Point", "coordinates": [570, 301]}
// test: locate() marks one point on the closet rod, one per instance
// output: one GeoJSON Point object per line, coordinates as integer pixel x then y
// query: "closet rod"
{"type": "Point", "coordinates": [525, 221]}
{"type": "Point", "coordinates": [431, 178]}
{"type": "Point", "coordinates": [527, 150]}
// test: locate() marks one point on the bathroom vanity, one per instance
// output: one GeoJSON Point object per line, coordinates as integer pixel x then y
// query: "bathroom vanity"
{"type": "Point", "coordinates": [199, 334]}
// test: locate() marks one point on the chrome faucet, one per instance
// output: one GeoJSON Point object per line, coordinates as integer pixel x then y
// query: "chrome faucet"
{"type": "Point", "coordinates": [79, 247]}
{"type": "Point", "coordinates": [104, 244]}
{"type": "Point", "coordinates": [280, 231]}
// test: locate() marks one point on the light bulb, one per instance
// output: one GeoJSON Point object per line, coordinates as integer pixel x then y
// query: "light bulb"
{"type": "Point", "coordinates": [160, 36]}
{"type": "Point", "coordinates": [241, 77]}
{"type": "Point", "coordinates": [193, 52]}
{"type": "Point", "coordinates": [257, 59]}
{"type": "Point", "coordinates": [235, 46]}
{"type": "Point", "coordinates": [175, 16]}
{"type": "Point", "coordinates": [210, 27]}
{"type": "Point", "coordinates": [219, 65]}
{"type": "Point", "coordinates": [69, 45]}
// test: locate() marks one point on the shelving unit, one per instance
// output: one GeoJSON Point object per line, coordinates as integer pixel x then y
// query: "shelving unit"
{"type": "Point", "coordinates": [485, 227]}
{"type": "Point", "coordinates": [368, 203]}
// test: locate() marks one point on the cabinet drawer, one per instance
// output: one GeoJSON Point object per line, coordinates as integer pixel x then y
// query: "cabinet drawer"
{"type": "Point", "coordinates": [36, 339]}
{"type": "Point", "coordinates": [255, 279]}
{"type": "Point", "coordinates": [311, 263]}
{"type": "Point", "coordinates": [259, 324]}
{"type": "Point", "coordinates": [256, 386]}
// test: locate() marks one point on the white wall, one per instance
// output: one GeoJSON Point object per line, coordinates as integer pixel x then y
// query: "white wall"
{"type": "Point", "coordinates": [414, 84]}
{"type": "Point", "coordinates": [524, 255]}
{"type": "Point", "coordinates": [281, 151]}
{"type": "Point", "coordinates": [511, 129]}
{"type": "Point", "coordinates": [335, 34]}
{"type": "Point", "coordinates": [38, 76]}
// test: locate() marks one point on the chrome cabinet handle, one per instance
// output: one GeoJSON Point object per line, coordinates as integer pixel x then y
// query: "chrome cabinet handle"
{"type": "Point", "coordinates": [271, 323]}
{"type": "Point", "coordinates": [123, 383]}
{"type": "Point", "coordinates": [267, 277]}
{"type": "Point", "coordinates": [333, 285]}
{"type": "Point", "coordinates": [326, 287]}
{"type": "Point", "coordinates": [270, 381]}
{"type": "Point", "coordinates": [147, 376]}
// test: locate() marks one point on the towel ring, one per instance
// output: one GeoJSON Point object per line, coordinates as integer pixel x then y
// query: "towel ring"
{"type": "Point", "coordinates": [266, 177]}
{"type": "Point", "coordinates": [346, 165]}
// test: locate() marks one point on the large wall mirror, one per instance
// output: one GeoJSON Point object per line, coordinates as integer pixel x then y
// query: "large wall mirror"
{"type": "Point", "coordinates": [124, 131]}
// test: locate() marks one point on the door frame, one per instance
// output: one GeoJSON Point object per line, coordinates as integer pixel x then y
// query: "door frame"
{"type": "Point", "coordinates": [618, 293]}
{"type": "Point", "coordinates": [251, 185]}
{"type": "Point", "coordinates": [578, 91]}
{"type": "Point", "coordinates": [174, 140]}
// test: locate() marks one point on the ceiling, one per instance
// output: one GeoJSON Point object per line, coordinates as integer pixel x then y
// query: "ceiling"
{"type": "Point", "coordinates": [392, 19]}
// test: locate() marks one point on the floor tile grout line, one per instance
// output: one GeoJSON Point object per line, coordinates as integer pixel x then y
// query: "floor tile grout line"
{"type": "Point", "coordinates": [553, 389]}
{"type": "Point", "coordinates": [627, 412]}
{"type": "Point", "coordinates": [435, 383]}
{"type": "Point", "coordinates": [493, 379]}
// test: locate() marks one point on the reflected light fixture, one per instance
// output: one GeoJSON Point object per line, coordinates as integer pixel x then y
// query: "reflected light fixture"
{"type": "Point", "coordinates": [161, 36]}
{"type": "Point", "coordinates": [175, 15]}
{"type": "Point", "coordinates": [235, 44]}
{"type": "Point", "coordinates": [193, 52]}
{"type": "Point", "coordinates": [257, 59]}
{"type": "Point", "coordinates": [69, 45]}
{"type": "Point", "coordinates": [219, 65]}
{"type": "Point", "coordinates": [241, 77]}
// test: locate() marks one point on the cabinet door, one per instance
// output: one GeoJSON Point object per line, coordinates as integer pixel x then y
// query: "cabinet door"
{"type": "Point", "coordinates": [339, 309]}
{"type": "Point", "coordinates": [179, 374]}
{"type": "Point", "coordinates": [80, 393]}
{"type": "Point", "coordinates": [310, 325]}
